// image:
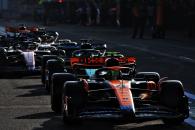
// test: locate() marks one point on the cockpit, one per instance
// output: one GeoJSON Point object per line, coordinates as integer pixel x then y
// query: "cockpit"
{"type": "Point", "coordinates": [86, 53]}
{"type": "Point", "coordinates": [114, 73]}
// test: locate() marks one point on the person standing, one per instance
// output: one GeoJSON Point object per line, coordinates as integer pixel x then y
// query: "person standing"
{"type": "Point", "coordinates": [159, 30]}
{"type": "Point", "coordinates": [140, 13]}
{"type": "Point", "coordinates": [94, 12]}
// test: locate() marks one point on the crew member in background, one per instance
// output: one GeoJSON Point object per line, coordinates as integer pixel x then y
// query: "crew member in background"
{"type": "Point", "coordinates": [94, 12]}
{"type": "Point", "coordinates": [140, 14]}
{"type": "Point", "coordinates": [114, 12]}
{"type": "Point", "coordinates": [118, 11]}
{"type": "Point", "coordinates": [110, 12]}
{"type": "Point", "coordinates": [88, 12]}
{"type": "Point", "coordinates": [159, 30]}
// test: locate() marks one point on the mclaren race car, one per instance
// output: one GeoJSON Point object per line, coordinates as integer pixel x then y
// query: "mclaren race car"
{"type": "Point", "coordinates": [81, 68]}
{"type": "Point", "coordinates": [111, 93]}
{"type": "Point", "coordinates": [114, 92]}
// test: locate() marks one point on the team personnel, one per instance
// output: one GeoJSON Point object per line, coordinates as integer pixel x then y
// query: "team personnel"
{"type": "Point", "coordinates": [159, 29]}
{"type": "Point", "coordinates": [140, 14]}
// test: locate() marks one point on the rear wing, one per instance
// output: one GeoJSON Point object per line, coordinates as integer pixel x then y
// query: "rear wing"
{"type": "Point", "coordinates": [96, 44]}
{"type": "Point", "coordinates": [20, 30]}
{"type": "Point", "coordinates": [99, 61]}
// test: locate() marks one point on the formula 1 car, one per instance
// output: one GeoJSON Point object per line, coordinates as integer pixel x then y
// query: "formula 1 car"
{"type": "Point", "coordinates": [25, 57]}
{"type": "Point", "coordinates": [71, 49]}
{"type": "Point", "coordinates": [21, 62]}
{"type": "Point", "coordinates": [16, 34]}
{"type": "Point", "coordinates": [22, 51]}
{"type": "Point", "coordinates": [81, 67]}
{"type": "Point", "coordinates": [69, 46]}
{"type": "Point", "coordinates": [112, 94]}
{"type": "Point", "coordinates": [58, 64]}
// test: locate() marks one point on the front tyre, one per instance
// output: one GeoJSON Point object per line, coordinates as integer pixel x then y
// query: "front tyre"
{"type": "Point", "coordinates": [172, 96]}
{"type": "Point", "coordinates": [74, 99]}
{"type": "Point", "coordinates": [53, 66]}
{"type": "Point", "coordinates": [43, 65]}
{"type": "Point", "coordinates": [58, 80]}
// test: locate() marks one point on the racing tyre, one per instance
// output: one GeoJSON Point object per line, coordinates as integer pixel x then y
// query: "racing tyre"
{"type": "Point", "coordinates": [43, 65]}
{"type": "Point", "coordinates": [58, 80]}
{"type": "Point", "coordinates": [172, 96]}
{"type": "Point", "coordinates": [2, 59]}
{"type": "Point", "coordinates": [149, 76]}
{"type": "Point", "coordinates": [73, 100]}
{"type": "Point", "coordinates": [52, 66]}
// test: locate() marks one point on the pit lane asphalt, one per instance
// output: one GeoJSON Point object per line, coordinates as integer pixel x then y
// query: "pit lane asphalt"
{"type": "Point", "coordinates": [24, 104]}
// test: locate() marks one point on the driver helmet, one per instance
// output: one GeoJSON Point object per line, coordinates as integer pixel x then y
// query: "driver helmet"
{"type": "Point", "coordinates": [86, 46]}
{"type": "Point", "coordinates": [22, 27]}
{"type": "Point", "coordinates": [112, 62]}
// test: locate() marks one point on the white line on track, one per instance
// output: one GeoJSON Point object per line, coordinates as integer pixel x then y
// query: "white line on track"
{"type": "Point", "coordinates": [190, 121]}
{"type": "Point", "coordinates": [189, 95]}
{"type": "Point", "coordinates": [187, 59]}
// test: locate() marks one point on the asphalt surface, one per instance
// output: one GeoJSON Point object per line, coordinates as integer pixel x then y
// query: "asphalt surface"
{"type": "Point", "coordinates": [25, 105]}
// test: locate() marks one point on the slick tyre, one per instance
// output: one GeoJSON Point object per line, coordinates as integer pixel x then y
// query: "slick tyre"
{"type": "Point", "coordinates": [43, 65]}
{"type": "Point", "coordinates": [52, 66]}
{"type": "Point", "coordinates": [73, 99]}
{"type": "Point", "coordinates": [172, 96]}
{"type": "Point", "coordinates": [58, 80]}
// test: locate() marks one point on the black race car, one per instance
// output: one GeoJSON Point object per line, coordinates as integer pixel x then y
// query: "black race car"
{"type": "Point", "coordinates": [22, 48]}
{"type": "Point", "coordinates": [71, 49]}
{"type": "Point", "coordinates": [17, 34]}
{"type": "Point", "coordinates": [25, 56]}
{"type": "Point", "coordinates": [57, 64]}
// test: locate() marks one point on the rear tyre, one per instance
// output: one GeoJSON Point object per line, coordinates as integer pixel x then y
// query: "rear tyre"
{"type": "Point", "coordinates": [172, 96]}
{"type": "Point", "coordinates": [53, 66]}
{"type": "Point", "coordinates": [73, 99]}
{"type": "Point", "coordinates": [58, 80]}
{"type": "Point", "coordinates": [43, 65]}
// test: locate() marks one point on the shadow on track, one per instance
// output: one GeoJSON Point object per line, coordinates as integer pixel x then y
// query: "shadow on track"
{"type": "Point", "coordinates": [152, 126]}
{"type": "Point", "coordinates": [55, 122]}
{"type": "Point", "coordinates": [34, 90]}
{"type": "Point", "coordinates": [19, 76]}
{"type": "Point", "coordinates": [10, 76]}
{"type": "Point", "coordinates": [44, 115]}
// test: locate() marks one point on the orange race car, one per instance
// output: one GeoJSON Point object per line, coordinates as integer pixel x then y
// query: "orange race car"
{"type": "Point", "coordinates": [112, 92]}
